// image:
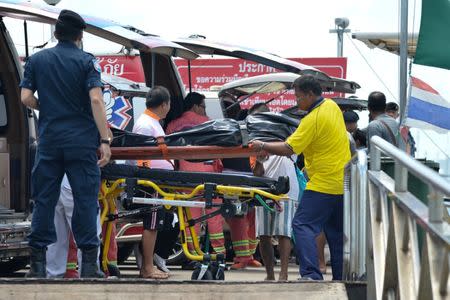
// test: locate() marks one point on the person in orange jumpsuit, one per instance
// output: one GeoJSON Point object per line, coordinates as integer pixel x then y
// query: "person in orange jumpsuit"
{"type": "Point", "coordinates": [195, 114]}
{"type": "Point", "coordinates": [243, 237]}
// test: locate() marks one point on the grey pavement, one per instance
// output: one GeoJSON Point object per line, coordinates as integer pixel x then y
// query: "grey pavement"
{"type": "Point", "coordinates": [238, 284]}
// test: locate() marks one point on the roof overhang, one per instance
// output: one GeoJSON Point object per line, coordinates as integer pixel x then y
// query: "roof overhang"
{"type": "Point", "coordinates": [387, 41]}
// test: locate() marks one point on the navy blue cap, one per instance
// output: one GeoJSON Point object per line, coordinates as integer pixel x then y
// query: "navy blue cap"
{"type": "Point", "coordinates": [350, 116]}
{"type": "Point", "coordinates": [69, 22]}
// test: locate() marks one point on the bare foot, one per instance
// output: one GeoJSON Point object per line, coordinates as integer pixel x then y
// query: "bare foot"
{"type": "Point", "coordinates": [154, 274]}
{"type": "Point", "coordinates": [283, 277]}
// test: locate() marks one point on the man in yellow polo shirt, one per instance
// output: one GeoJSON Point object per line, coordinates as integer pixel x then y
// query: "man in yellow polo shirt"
{"type": "Point", "coordinates": [322, 138]}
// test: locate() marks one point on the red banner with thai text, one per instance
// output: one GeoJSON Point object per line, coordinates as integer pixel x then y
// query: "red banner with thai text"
{"type": "Point", "coordinates": [206, 73]}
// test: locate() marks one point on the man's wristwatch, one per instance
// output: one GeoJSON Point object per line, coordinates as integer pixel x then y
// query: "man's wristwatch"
{"type": "Point", "coordinates": [106, 141]}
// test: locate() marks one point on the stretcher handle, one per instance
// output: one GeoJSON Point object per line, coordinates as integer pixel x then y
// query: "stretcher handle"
{"type": "Point", "coordinates": [220, 189]}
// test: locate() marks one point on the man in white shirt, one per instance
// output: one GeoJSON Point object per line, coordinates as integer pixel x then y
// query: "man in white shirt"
{"type": "Point", "coordinates": [158, 105]}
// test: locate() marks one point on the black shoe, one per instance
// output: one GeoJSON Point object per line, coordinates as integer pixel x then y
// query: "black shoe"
{"type": "Point", "coordinates": [37, 263]}
{"type": "Point", "coordinates": [89, 266]}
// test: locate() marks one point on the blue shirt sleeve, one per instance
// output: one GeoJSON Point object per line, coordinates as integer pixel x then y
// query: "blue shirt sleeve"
{"type": "Point", "coordinates": [93, 78]}
{"type": "Point", "coordinates": [28, 80]}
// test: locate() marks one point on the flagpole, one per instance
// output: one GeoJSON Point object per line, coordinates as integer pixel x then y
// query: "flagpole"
{"type": "Point", "coordinates": [403, 72]}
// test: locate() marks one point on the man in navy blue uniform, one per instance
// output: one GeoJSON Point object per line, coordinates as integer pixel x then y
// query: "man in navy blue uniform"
{"type": "Point", "coordinates": [72, 126]}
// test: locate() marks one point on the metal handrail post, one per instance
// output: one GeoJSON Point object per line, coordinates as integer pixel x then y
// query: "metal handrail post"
{"type": "Point", "coordinates": [362, 216]}
{"type": "Point", "coordinates": [375, 158]}
{"type": "Point", "coordinates": [347, 232]}
{"type": "Point", "coordinates": [401, 178]}
{"type": "Point", "coordinates": [353, 222]}
{"type": "Point", "coordinates": [355, 197]}
{"type": "Point", "coordinates": [435, 206]}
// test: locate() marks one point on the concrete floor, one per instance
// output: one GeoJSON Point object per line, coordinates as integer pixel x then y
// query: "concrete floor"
{"type": "Point", "coordinates": [142, 289]}
{"type": "Point", "coordinates": [241, 284]}
{"type": "Point", "coordinates": [129, 270]}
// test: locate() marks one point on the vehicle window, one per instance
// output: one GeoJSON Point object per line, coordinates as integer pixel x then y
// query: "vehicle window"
{"type": "Point", "coordinates": [213, 108]}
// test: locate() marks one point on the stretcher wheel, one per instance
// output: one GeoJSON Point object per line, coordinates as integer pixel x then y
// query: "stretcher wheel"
{"type": "Point", "coordinates": [113, 270]}
{"type": "Point", "coordinates": [217, 271]}
{"type": "Point", "coordinates": [207, 276]}
{"type": "Point", "coordinates": [220, 275]}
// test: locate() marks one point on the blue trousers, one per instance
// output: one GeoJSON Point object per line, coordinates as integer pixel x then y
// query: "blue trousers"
{"type": "Point", "coordinates": [80, 165]}
{"type": "Point", "coordinates": [317, 212]}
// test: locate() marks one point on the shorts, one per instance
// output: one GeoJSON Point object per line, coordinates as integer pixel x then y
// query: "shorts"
{"type": "Point", "coordinates": [154, 220]}
{"type": "Point", "coordinates": [275, 223]}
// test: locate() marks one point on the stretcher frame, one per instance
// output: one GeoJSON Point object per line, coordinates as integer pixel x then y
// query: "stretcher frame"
{"type": "Point", "coordinates": [174, 196]}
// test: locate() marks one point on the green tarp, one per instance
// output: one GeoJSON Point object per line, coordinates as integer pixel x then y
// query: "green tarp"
{"type": "Point", "coordinates": [433, 46]}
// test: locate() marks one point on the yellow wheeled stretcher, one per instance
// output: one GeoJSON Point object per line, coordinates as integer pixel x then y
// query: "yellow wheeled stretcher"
{"type": "Point", "coordinates": [181, 191]}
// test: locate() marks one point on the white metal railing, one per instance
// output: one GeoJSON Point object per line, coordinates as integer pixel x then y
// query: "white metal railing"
{"type": "Point", "coordinates": [396, 269]}
{"type": "Point", "coordinates": [355, 198]}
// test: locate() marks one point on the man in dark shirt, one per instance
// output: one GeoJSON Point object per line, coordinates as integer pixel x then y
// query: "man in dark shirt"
{"type": "Point", "coordinates": [380, 124]}
{"type": "Point", "coordinates": [392, 109]}
{"type": "Point", "coordinates": [72, 126]}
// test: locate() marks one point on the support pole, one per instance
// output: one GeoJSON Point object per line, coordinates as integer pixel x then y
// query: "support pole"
{"type": "Point", "coordinates": [403, 76]}
{"type": "Point", "coordinates": [340, 42]}
{"type": "Point", "coordinates": [340, 29]}
{"type": "Point", "coordinates": [153, 69]}
{"type": "Point", "coordinates": [25, 29]}
{"type": "Point", "coordinates": [190, 76]}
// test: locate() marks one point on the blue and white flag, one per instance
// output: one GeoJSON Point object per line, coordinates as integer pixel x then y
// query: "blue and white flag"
{"type": "Point", "coordinates": [426, 108]}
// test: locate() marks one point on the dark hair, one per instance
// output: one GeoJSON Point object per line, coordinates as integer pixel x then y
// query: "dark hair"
{"type": "Point", "coordinates": [360, 137]}
{"type": "Point", "coordinates": [307, 83]}
{"type": "Point", "coordinates": [157, 96]}
{"type": "Point", "coordinates": [257, 108]}
{"type": "Point", "coordinates": [350, 116]}
{"type": "Point", "coordinates": [71, 36]}
{"type": "Point", "coordinates": [392, 106]}
{"type": "Point", "coordinates": [376, 102]}
{"type": "Point", "coordinates": [192, 99]}
{"type": "Point", "coordinates": [69, 26]}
